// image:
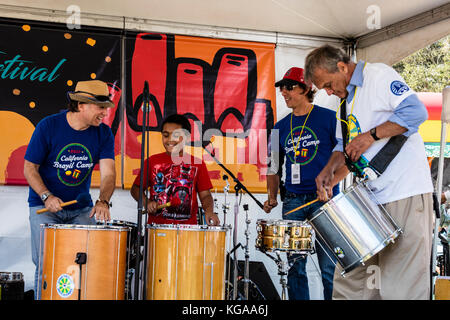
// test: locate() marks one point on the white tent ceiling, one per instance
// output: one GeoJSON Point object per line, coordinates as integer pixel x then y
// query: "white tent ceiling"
{"type": "Point", "coordinates": [327, 18]}
{"type": "Point", "coordinates": [340, 19]}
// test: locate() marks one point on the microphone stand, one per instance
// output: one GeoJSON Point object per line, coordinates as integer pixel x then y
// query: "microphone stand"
{"type": "Point", "coordinates": [238, 187]}
{"type": "Point", "coordinates": [142, 205]}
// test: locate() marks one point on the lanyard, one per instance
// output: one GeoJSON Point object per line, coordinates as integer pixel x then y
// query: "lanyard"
{"type": "Point", "coordinates": [296, 153]}
{"type": "Point", "coordinates": [353, 103]}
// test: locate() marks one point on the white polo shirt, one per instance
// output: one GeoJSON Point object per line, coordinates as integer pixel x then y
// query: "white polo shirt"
{"type": "Point", "coordinates": [380, 92]}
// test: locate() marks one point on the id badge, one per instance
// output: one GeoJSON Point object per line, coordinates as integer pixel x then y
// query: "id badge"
{"type": "Point", "coordinates": [295, 173]}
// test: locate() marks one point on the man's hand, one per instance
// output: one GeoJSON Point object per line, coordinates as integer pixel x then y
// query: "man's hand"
{"type": "Point", "coordinates": [323, 184]}
{"type": "Point", "coordinates": [212, 219]}
{"type": "Point", "coordinates": [358, 146]}
{"type": "Point", "coordinates": [101, 211]}
{"type": "Point", "coordinates": [152, 207]}
{"type": "Point", "coordinates": [53, 204]}
{"type": "Point", "coordinates": [269, 205]}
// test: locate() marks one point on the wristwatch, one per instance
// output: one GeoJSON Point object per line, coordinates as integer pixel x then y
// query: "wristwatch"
{"type": "Point", "coordinates": [109, 204]}
{"type": "Point", "coordinates": [45, 196]}
{"type": "Point", "coordinates": [373, 133]}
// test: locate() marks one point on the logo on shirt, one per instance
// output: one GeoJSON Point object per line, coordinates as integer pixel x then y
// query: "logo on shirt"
{"type": "Point", "coordinates": [175, 184]}
{"type": "Point", "coordinates": [73, 164]}
{"type": "Point", "coordinates": [398, 88]}
{"type": "Point", "coordinates": [306, 146]}
{"type": "Point", "coordinates": [353, 127]}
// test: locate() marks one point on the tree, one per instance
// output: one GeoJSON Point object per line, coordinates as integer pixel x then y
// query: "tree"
{"type": "Point", "coordinates": [427, 70]}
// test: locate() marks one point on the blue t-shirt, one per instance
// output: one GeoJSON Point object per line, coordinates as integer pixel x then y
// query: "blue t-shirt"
{"type": "Point", "coordinates": [66, 157]}
{"type": "Point", "coordinates": [316, 145]}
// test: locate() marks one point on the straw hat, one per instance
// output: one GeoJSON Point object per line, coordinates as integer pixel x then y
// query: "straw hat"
{"type": "Point", "coordinates": [92, 91]}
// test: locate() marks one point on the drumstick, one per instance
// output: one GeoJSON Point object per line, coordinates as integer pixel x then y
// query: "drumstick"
{"type": "Point", "coordinates": [175, 202]}
{"type": "Point", "coordinates": [82, 198]}
{"type": "Point", "coordinates": [302, 206]}
{"type": "Point", "coordinates": [305, 205]}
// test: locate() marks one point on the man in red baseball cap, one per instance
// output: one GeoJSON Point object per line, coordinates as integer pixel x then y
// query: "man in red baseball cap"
{"type": "Point", "coordinates": [303, 141]}
{"type": "Point", "coordinates": [293, 76]}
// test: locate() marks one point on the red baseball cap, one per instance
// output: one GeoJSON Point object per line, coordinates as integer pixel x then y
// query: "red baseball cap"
{"type": "Point", "coordinates": [292, 76]}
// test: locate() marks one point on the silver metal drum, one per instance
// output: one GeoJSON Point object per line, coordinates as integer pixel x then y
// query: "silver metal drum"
{"type": "Point", "coordinates": [11, 286]}
{"type": "Point", "coordinates": [284, 235]}
{"type": "Point", "coordinates": [354, 226]}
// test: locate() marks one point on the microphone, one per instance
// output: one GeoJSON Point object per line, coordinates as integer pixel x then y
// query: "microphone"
{"type": "Point", "coordinates": [208, 142]}
{"type": "Point", "coordinates": [146, 95]}
{"type": "Point", "coordinates": [173, 203]}
{"type": "Point", "coordinates": [82, 199]}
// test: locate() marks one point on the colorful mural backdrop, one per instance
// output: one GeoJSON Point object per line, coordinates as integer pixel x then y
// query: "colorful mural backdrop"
{"type": "Point", "coordinates": [224, 87]}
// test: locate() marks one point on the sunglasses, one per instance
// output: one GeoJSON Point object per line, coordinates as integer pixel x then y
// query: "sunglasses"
{"type": "Point", "coordinates": [288, 87]}
{"type": "Point", "coordinates": [96, 97]}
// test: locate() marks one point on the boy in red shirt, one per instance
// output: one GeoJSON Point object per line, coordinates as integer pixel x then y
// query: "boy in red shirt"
{"type": "Point", "coordinates": [176, 177]}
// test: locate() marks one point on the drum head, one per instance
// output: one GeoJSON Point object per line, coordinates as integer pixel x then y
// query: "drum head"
{"type": "Point", "coordinates": [84, 227]}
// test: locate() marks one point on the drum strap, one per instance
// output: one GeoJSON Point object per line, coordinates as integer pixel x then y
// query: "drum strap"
{"type": "Point", "coordinates": [384, 157]}
{"type": "Point", "coordinates": [344, 128]}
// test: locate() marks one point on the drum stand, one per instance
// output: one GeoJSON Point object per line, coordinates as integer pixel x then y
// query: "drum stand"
{"type": "Point", "coordinates": [247, 254]}
{"type": "Point", "coordinates": [225, 205]}
{"type": "Point", "coordinates": [238, 187]}
{"type": "Point", "coordinates": [283, 268]}
{"type": "Point", "coordinates": [142, 203]}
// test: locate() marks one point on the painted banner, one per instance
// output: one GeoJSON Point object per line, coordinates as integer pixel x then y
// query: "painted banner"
{"type": "Point", "coordinates": [39, 64]}
{"type": "Point", "coordinates": [224, 87]}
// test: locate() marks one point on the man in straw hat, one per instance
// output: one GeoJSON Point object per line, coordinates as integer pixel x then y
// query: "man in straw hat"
{"type": "Point", "coordinates": [59, 160]}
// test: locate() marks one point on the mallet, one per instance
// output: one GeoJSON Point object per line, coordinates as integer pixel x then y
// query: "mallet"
{"type": "Point", "coordinates": [175, 202]}
{"type": "Point", "coordinates": [82, 198]}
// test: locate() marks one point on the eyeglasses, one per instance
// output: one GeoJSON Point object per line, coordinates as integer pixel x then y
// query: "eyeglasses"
{"type": "Point", "coordinates": [288, 87]}
{"type": "Point", "coordinates": [96, 97]}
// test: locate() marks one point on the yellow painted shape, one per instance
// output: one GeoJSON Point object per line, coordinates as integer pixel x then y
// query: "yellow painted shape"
{"type": "Point", "coordinates": [17, 131]}
{"type": "Point", "coordinates": [430, 131]}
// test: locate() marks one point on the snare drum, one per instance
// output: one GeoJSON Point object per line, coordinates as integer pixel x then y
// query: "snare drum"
{"type": "Point", "coordinates": [85, 262]}
{"type": "Point", "coordinates": [11, 286]}
{"type": "Point", "coordinates": [354, 226]}
{"type": "Point", "coordinates": [283, 235]}
{"type": "Point", "coordinates": [185, 262]}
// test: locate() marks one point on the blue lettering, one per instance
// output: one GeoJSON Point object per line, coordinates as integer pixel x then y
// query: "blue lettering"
{"type": "Point", "coordinates": [16, 68]}
{"type": "Point", "coordinates": [36, 74]}
{"type": "Point", "coordinates": [24, 73]}
{"type": "Point", "coordinates": [51, 75]}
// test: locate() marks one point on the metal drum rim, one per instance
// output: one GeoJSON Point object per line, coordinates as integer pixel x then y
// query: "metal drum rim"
{"type": "Point", "coordinates": [131, 224]}
{"type": "Point", "coordinates": [372, 252]}
{"type": "Point", "coordinates": [187, 227]}
{"type": "Point", "coordinates": [283, 222]}
{"type": "Point", "coordinates": [335, 198]}
{"type": "Point", "coordinates": [84, 227]}
{"type": "Point", "coordinates": [285, 250]}
{"type": "Point", "coordinates": [12, 276]}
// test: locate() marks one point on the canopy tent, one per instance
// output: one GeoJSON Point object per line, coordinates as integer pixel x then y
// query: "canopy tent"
{"type": "Point", "coordinates": [398, 28]}
{"type": "Point", "coordinates": [379, 32]}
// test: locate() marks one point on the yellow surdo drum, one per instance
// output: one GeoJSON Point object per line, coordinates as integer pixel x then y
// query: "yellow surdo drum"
{"type": "Point", "coordinates": [185, 262]}
{"type": "Point", "coordinates": [83, 262]}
